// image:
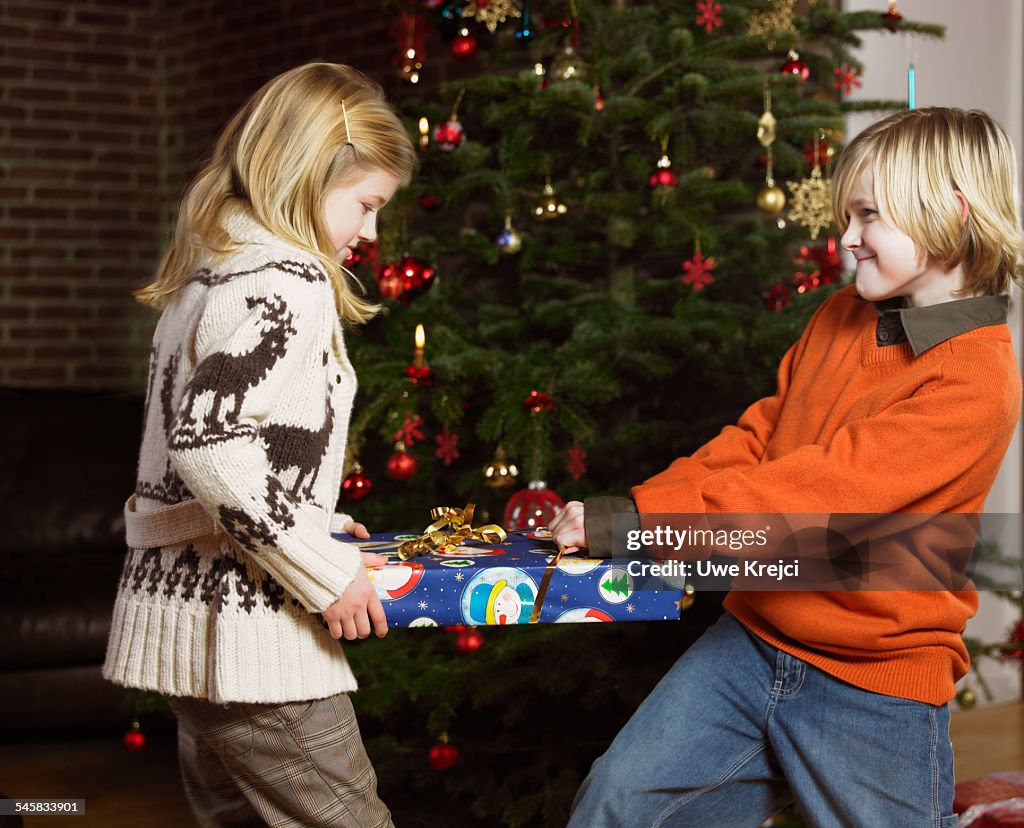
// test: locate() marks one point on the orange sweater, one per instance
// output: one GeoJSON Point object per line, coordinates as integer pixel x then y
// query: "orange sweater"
{"type": "Point", "coordinates": [858, 428]}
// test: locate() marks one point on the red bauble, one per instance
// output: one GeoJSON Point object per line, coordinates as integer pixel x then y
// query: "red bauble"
{"type": "Point", "coordinates": [532, 507]}
{"type": "Point", "coordinates": [663, 178]}
{"type": "Point", "coordinates": [134, 738]}
{"type": "Point", "coordinates": [444, 756]}
{"type": "Point", "coordinates": [405, 280]}
{"type": "Point", "coordinates": [390, 286]}
{"type": "Point", "coordinates": [469, 641]}
{"type": "Point", "coordinates": [449, 134]}
{"type": "Point", "coordinates": [796, 67]}
{"type": "Point", "coordinates": [356, 486]}
{"type": "Point", "coordinates": [401, 465]}
{"type": "Point", "coordinates": [463, 46]}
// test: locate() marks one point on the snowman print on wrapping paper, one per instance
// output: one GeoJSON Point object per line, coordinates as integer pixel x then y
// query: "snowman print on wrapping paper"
{"type": "Point", "coordinates": [396, 580]}
{"type": "Point", "coordinates": [501, 595]}
{"type": "Point", "coordinates": [580, 615]}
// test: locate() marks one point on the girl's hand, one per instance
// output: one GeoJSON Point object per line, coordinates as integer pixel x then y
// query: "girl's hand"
{"type": "Point", "coordinates": [568, 529]}
{"type": "Point", "coordinates": [356, 530]}
{"type": "Point", "coordinates": [358, 612]}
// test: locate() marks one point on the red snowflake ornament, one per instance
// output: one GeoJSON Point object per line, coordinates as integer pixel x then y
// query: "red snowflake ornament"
{"type": "Point", "coordinates": [446, 442]}
{"type": "Point", "coordinates": [576, 466]}
{"type": "Point", "coordinates": [697, 271]}
{"type": "Point", "coordinates": [538, 401]}
{"type": "Point", "coordinates": [847, 78]}
{"type": "Point", "coordinates": [1013, 650]}
{"type": "Point", "coordinates": [708, 12]}
{"type": "Point", "coordinates": [419, 375]}
{"type": "Point", "coordinates": [411, 430]}
{"type": "Point", "coordinates": [777, 298]}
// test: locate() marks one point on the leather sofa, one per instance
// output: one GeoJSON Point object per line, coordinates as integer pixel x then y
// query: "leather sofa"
{"type": "Point", "coordinates": [67, 463]}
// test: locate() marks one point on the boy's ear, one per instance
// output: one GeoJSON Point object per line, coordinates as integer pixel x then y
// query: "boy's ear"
{"type": "Point", "coordinates": [965, 208]}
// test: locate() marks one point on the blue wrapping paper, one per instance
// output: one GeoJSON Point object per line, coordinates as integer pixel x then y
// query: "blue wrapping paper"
{"type": "Point", "coordinates": [497, 584]}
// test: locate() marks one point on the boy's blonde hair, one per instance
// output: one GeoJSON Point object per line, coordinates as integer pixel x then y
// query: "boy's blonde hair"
{"type": "Point", "coordinates": [920, 158]}
{"type": "Point", "coordinates": [277, 157]}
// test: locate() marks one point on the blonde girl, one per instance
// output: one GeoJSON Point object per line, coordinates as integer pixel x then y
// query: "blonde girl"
{"type": "Point", "coordinates": [233, 591]}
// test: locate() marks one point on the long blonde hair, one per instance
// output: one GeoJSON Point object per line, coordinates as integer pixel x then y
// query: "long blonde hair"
{"type": "Point", "coordinates": [311, 128]}
{"type": "Point", "coordinates": [920, 159]}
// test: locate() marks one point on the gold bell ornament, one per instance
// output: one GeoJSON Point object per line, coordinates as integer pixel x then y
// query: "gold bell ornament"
{"type": "Point", "coordinates": [548, 206]}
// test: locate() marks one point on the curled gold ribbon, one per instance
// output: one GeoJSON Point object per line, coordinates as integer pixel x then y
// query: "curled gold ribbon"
{"type": "Point", "coordinates": [450, 528]}
{"type": "Point", "coordinates": [538, 602]}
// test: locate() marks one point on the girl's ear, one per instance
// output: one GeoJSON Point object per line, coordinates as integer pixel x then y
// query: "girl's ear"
{"type": "Point", "coordinates": [965, 208]}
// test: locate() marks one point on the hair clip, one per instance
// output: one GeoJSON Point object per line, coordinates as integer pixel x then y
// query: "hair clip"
{"type": "Point", "coordinates": [344, 114]}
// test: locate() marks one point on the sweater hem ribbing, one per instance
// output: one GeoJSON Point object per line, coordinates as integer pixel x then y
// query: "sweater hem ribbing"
{"type": "Point", "coordinates": [924, 674]}
{"type": "Point", "coordinates": [272, 662]}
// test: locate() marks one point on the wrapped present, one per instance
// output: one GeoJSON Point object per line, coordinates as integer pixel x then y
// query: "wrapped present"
{"type": "Point", "coordinates": [517, 580]}
{"type": "Point", "coordinates": [994, 800]}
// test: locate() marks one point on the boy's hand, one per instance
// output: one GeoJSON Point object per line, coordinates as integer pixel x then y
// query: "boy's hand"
{"type": "Point", "coordinates": [358, 612]}
{"type": "Point", "coordinates": [568, 529]}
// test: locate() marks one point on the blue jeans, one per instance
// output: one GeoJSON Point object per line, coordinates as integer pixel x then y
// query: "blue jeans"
{"type": "Point", "coordinates": [738, 729]}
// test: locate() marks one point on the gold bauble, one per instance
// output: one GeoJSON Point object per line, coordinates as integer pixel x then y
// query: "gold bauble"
{"type": "Point", "coordinates": [966, 698]}
{"type": "Point", "coordinates": [499, 474]}
{"type": "Point", "coordinates": [510, 242]}
{"type": "Point", "coordinates": [689, 596]}
{"type": "Point", "coordinates": [771, 199]}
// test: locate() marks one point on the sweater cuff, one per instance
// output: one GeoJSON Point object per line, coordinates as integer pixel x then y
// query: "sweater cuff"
{"type": "Point", "coordinates": [339, 520]}
{"type": "Point", "coordinates": [681, 497]}
{"type": "Point", "coordinates": [599, 516]}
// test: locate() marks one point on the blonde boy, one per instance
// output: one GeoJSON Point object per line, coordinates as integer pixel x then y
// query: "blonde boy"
{"type": "Point", "coordinates": [901, 396]}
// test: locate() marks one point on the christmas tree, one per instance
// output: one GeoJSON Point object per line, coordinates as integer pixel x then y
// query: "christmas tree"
{"type": "Point", "coordinates": [620, 224]}
{"type": "Point", "coordinates": [999, 573]}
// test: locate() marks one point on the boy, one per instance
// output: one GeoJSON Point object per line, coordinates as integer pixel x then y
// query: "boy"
{"type": "Point", "coordinates": [901, 396]}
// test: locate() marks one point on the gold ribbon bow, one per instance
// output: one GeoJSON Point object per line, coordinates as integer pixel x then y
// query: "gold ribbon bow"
{"type": "Point", "coordinates": [451, 527]}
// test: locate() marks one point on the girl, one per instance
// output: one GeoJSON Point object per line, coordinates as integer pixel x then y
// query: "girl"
{"type": "Point", "coordinates": [233, 590]}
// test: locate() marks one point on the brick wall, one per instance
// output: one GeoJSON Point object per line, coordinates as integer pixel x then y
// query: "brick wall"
{"type": "Point", "coordinates": [105, 107]}
{"type": "Point", "coordinates": [78, 188]}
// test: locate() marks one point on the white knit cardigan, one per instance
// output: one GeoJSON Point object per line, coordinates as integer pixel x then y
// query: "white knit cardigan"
{"type": "Point", "coordinates": [247, 412]}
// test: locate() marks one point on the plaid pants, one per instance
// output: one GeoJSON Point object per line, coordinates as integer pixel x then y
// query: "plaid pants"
{"type": "Point", "coordinates": [290, 765]}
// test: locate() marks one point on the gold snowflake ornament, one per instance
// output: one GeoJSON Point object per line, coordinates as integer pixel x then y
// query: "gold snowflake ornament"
{"type": "Point", "coordinates": [812, 202]}
{"type": "Point", "coordinates": [777, 19]}
{"type": "Point", "coordinates": [491, 12]}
